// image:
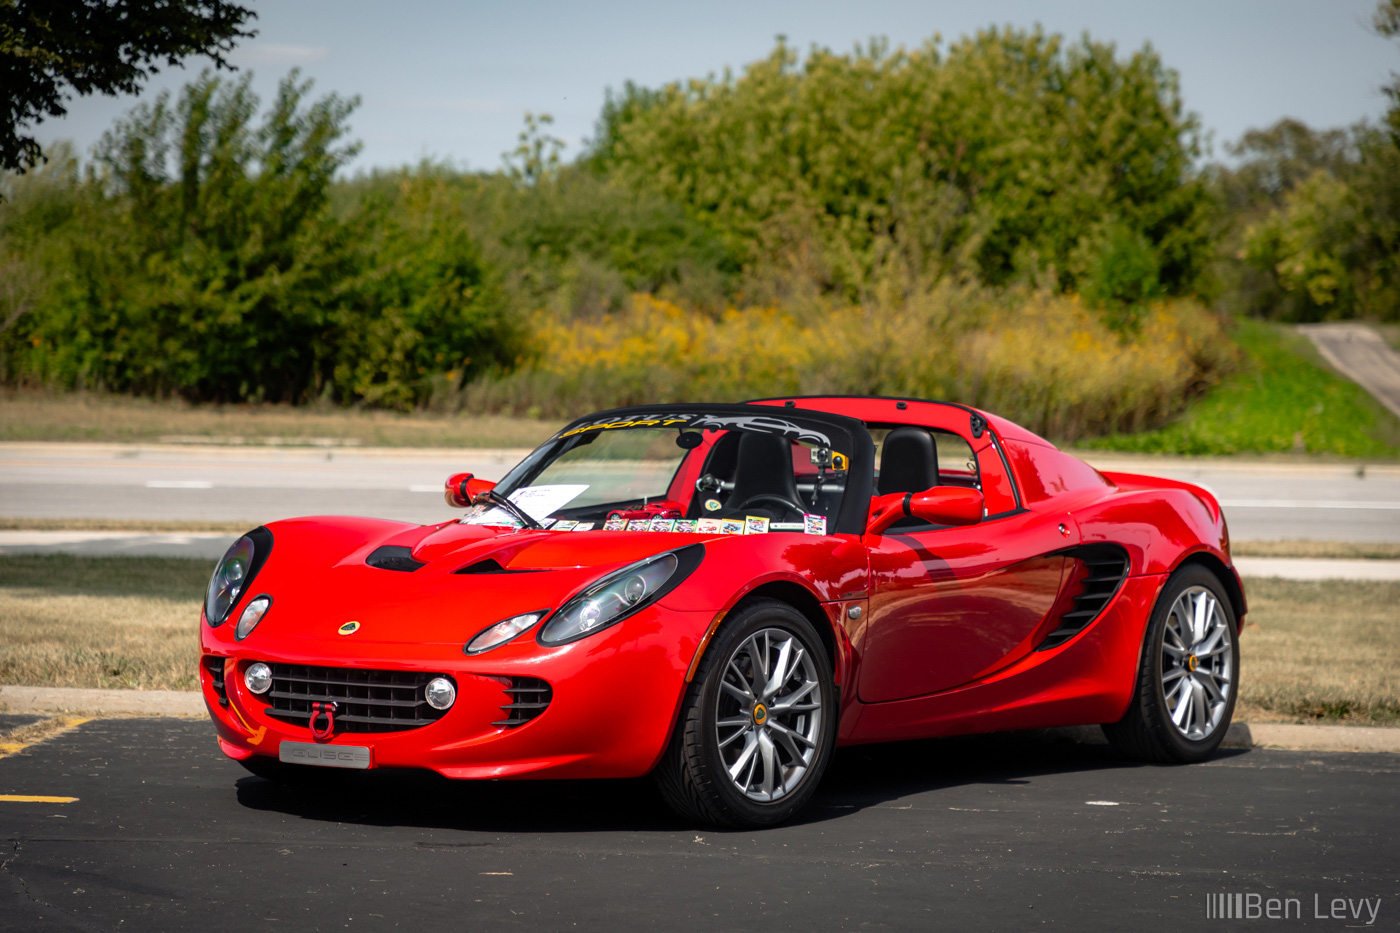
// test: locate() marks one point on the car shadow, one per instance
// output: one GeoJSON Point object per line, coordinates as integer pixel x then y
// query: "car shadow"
{"type": "Point", "coordinates": [858, 777]}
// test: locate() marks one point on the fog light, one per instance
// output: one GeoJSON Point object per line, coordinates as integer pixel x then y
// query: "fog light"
{"type": "Point", "coordinates": [258, 678]}
{"type": "Point", "coordinates": [252, 615]}
{"type": "Point", "coordinates": [440, 693]}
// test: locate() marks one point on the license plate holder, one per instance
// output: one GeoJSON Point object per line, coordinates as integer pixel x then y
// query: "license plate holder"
{"type": "Point", "coordinates": [324, 756]}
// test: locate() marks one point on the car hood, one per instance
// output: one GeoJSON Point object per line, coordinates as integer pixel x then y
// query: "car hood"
{"type": "Point", "coordinates": [459, 579]}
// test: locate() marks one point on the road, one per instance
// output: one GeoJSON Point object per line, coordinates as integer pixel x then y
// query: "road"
{"type": "Point", "coordinates": [1362, 355]}
{"type": "Point", "coordinates": [1263, 501]}
{"type": "Point", "coordinates": [991, 833]}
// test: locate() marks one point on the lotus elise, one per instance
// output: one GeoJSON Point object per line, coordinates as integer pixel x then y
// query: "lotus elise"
{"type": "Point", "coordinates": [720, 594]}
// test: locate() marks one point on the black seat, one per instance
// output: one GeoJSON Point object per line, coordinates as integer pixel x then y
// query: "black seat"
{"type": "Point", "coordinates": [908, 461]}
{"type": "Point", "coordinates": [764, 467]}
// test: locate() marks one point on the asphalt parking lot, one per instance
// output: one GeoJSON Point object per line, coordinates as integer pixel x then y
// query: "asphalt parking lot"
{"type": "Point", "coordinates": [1000, 832]}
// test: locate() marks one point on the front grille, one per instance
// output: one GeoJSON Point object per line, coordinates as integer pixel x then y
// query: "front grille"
{"type": "Point", "coordinates": [1102, 569]}
{"type": "Point", "coordinates": [367, 701]}
{"type": "Point", "coordinates": [215, 667]}
{"type": "Point", "coordinates": [529, 696]}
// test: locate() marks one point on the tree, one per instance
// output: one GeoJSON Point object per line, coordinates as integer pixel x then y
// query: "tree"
{"type": "Point", "coordinates": [1387, 23]}
{"type": "Point", "coordinates": [51, 49]}
{"type": "Point", "coordinates": [1005, 154]}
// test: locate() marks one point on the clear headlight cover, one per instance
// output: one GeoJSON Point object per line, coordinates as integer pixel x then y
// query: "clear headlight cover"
{"type": "Point", "coordinates": [620, 594]}
{"type": "Point", "coordinates": [230, 577]}
{"type": "Point", "coordinates": [502, 632]}
{"type": "Point", "coordinates": [252, 615]}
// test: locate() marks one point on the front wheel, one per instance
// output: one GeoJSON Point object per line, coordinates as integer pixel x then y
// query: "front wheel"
{"type": "Point", "coordinates": [758, 723]}
{"type": "Point", "coordinates": [1188, 677]}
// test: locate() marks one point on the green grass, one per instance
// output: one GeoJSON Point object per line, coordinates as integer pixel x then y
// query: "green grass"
{"type": "Point", "coordinates": [1282, 399]}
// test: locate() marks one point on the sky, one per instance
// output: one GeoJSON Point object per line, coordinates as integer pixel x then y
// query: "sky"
{"type": "Point", "coordinates": [452, 81]}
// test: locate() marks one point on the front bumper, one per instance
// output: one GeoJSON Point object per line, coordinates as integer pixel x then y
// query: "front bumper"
{"type": "Point", "coordinates": [615, 697]}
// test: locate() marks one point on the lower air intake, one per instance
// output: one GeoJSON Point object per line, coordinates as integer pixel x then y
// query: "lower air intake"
{"type": "Point", "coordinates": [366, 701]}
{"type": "Point", "coordinates": [215, 667]}
{"type": "Point", "coordinates": [529, 696]}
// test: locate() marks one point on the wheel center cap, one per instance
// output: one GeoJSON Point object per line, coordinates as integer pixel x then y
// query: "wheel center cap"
{"type": "Point", "coordinates": [760, 714]}
{"type": "Point", "coordinates": [1192, 662]}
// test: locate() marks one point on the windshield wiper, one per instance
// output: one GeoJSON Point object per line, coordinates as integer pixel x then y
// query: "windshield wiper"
{"type": "Point", "coordinates": [495, 497]}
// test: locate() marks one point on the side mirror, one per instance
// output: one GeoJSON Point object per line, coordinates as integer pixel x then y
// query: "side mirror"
{"type": "Point", "coordinates": [461, 488]}
{"type": "Point", "coordinates": [941, 505]}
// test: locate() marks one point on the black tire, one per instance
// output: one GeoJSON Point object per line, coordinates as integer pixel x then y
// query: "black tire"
{"type": "Point", "coordinates": [693, 775]}
{"type": "Point", "coordinates": [1148, 731]}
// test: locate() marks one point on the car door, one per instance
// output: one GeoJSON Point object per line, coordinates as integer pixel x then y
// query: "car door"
{"type": "Point", "coordinates": [950, 605]}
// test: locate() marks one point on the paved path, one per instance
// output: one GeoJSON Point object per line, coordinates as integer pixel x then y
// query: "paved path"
{"type": "Point", "coordinates": [997, 833]}
{"type": "Point", "coordinates": [1263, 500]}
{"type": "Point", "coordinates": [1362, 355]}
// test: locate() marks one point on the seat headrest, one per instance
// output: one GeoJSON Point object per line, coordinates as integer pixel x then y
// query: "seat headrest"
{"type": "Point", "coordinates": [908, 461]}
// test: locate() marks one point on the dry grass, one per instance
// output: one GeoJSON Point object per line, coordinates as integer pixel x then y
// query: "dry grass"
{"type": "Point", "coordinates": [1040, 358]}
{"type": "Point", "coordinates": [1346, 550]}
{"type": "Point", "coordinates": [1312, 651]}
{"type": "Point", "coordinates": [35, 416]}
{"type": "Point", "coordinates": [1321, 651]}
{"type": "Point", "coordinates": [68, 621]}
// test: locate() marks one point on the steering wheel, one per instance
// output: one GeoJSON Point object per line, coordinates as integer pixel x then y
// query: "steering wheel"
{"type": "Point", "coordinates": [772, 497]}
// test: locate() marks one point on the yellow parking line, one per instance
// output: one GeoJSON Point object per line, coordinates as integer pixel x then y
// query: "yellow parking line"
{"type": "Point", "coordinates": [56, 726]}
{"type": "Point", "coordinates": [26, 798]}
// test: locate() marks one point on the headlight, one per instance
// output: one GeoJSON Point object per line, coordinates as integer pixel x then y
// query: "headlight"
{"type": "Point", "coordinates": [619, 595]}
{"type": "Point", "coordinates": [502, 632]}
{"type": "Point", "coordinates": [234, 574]}
{"type": "Point", "coordinates": [251, 616]}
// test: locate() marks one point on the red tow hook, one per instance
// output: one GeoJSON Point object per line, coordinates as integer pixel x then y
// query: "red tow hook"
{"type": "Point", "coordinates": [327, 708]}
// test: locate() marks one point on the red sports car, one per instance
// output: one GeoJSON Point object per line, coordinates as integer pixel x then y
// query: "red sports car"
{"type": "Point", "coordinates": [718, 595]}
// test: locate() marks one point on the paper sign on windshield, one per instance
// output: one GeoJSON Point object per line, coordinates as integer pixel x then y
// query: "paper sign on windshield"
{"type": "Point", "coordinates": [539, 502]}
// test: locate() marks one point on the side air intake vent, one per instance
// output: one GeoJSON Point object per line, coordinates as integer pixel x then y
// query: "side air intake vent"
{"type": "Point", "coordinates": [215, 667]}
{"type": "Point", "coordinates": [393, 557]}
{"type": "Point", "coordinates": [1099, 572]}
{"type": "Point", "coordinates": [529, 696]}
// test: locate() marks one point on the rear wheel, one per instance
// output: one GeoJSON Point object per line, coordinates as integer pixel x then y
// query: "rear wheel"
{"type": "Point", "coordinates": [1189, 674]}
{"type": "Point", "coordinates": [758, 723]}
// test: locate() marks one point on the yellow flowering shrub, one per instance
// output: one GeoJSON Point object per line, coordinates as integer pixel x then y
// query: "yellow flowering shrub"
{"type": "Point", "coordinates": [1037, 357]}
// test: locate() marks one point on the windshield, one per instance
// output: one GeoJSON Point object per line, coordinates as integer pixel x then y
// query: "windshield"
{"type": "Point", "coordinates": [701, 472]}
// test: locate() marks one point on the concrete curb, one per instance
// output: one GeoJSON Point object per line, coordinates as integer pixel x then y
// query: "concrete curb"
{"type": "Point", "coordinates": [1292, 736]}
{"type": "Point", "coordinates": [97, 703]}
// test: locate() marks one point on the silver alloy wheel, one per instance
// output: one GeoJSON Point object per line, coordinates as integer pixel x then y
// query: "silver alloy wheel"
{"type": "Point", "coordinates": [769, 717]}
{"type": "Point", "coordinates": [1197, 657]}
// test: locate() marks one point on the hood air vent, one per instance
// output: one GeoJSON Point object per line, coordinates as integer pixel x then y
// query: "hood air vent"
{"type": "Point", "coordinates": [393, 557]}
{"type": "Point", "coordinates": [1100, 570]}
{"type": "Point", "coordinates": [490, 565]}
